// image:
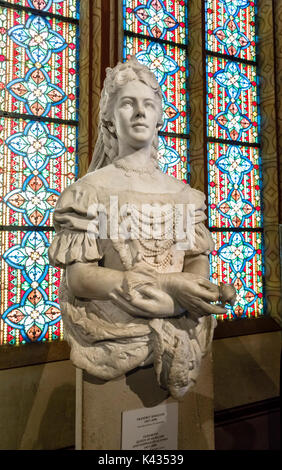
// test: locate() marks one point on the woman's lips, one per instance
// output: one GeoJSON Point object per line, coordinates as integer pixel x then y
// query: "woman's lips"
{"type": "Point", "coordinates": [139, 124]}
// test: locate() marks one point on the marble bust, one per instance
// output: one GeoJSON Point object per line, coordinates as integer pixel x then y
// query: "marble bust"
{"type": "Point", "coordinates": [135, 288]}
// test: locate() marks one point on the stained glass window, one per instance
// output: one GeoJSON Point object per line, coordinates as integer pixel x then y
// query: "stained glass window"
{"type": "Point", "coordinates": [38, 140]}
{"type": "Point", "coordinates": [233, 152]}
{"type": "Point", "coordinates": [156, 32]}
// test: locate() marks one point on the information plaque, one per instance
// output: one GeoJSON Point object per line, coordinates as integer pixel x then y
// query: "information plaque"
{"type": "Point", "coordinates": [150, 428]}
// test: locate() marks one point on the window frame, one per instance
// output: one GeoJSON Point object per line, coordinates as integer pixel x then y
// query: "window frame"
{"type": "Point", "coordinates": [58, 350]}
{"type": "Point", "coordinates": [97, 19]}
{"type": "Point", "coordinates": [266, 67]}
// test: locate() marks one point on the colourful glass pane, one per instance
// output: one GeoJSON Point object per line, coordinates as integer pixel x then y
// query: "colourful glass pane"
{"type": "Point", "coordinates": [156, 18]}
{"type": "Point", "coordinates": [238, 260]}
{"type": "Point", "coordinates": [168, 62]}
{"type": "Point", "coordinates": [38, 65]}
{"type": "Point", "coordinates": [230, 28]}
{"type": "Point", "coordinates": [37, 162]}
{"type": "Point", "coordinates": [173, 155]}
{"type": "Point", "coordinates": [234, 186]}
{"type": "Point", "coordinates": [29, 289]}
{"type": "Point", "coordinates": [67, 8]}
{"type": "Point", "coordinates": [232, 100]}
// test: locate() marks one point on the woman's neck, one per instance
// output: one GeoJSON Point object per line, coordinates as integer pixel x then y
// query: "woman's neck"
{"type": "Point", "coordinates": [140, 158]}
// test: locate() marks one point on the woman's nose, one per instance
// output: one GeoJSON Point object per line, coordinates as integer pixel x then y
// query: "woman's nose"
{"type": "Point", "coordinates": [140, 109]}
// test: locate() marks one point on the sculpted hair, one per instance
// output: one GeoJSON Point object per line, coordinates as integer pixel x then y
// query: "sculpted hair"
{"type": "Point", "coordinates": [106, 148]}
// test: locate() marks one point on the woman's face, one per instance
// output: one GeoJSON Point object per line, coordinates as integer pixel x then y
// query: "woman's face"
{"type": "Point", "coordinates": [136, 115]}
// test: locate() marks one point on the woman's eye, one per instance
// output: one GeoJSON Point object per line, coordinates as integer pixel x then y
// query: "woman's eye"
{"type": "Point", "coordinates": [126, 104]}
{"type": "Point", "coordinates": [150, 104]}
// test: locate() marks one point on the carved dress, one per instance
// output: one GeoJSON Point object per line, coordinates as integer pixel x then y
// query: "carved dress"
{"type": "Point", "coordinates": [105, 340]}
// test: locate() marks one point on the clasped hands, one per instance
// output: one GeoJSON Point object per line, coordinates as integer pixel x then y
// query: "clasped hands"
{"type": "Point", "coordinates": [146, 293]}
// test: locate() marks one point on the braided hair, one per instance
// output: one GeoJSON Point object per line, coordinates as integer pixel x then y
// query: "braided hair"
{"type": "Point", "coordinates": [106, 148]}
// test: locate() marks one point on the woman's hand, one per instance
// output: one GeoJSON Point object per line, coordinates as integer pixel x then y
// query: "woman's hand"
{"type": "Point", "coordinates": [193, 292]}
{"type": "Point", "coordinates": [147, 301]}
{"type": "Point", "coordinates": [145, 293]}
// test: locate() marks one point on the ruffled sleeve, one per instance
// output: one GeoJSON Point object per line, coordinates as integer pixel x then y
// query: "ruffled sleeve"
{"type": "Point", "coordinates": [203, 242]}
{"type": "Point", "coordinates": [76, 238]}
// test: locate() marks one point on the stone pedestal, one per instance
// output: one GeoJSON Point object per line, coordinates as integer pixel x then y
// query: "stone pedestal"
{"type": "Point", "coordinates": [100, 406]}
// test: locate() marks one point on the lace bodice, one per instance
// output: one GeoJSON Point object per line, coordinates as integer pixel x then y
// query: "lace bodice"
{"type": "Point", "coordinates": [83, 204]}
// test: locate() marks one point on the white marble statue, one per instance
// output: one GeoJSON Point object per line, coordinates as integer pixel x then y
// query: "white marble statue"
{"type": "Point", "coordinates": [134, 292]}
